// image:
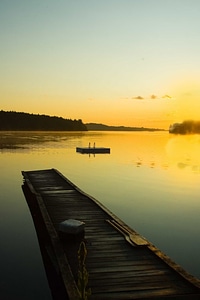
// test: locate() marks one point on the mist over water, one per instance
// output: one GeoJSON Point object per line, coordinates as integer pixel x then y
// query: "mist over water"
{"type": "Point", "coordinates": [150, 180]}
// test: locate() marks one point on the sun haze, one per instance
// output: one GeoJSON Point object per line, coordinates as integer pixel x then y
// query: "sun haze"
{"type": "Point", "coordinates": [132, 63]}
{"type": "Point", "coordinates": [187, 104]}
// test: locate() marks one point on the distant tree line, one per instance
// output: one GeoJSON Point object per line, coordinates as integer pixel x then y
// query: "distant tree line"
{"type": "Point", "coordinates": [11, 120]}
{"type": "Point", "coordinates": [102, 127]}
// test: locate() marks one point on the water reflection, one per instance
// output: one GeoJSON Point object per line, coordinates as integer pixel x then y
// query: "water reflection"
{"type": "Point", "coordinates": [153, 150]}
{"type": "Point", "coordinates": [167, 151]}
{"type": "Point", "coordinates": [150, 180]}
{"type": "Point", "coordinates": [27, 139]}
{"type": "Point", "coordinates": [183, 151]}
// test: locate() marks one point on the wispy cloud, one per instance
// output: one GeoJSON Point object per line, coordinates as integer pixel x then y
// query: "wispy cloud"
{"type": "Point", "coordinates": [151, 97]}
{"type": "Point", "coordinates": [166, 97]}
{"type": "Point", "coordinates": [138, 98]}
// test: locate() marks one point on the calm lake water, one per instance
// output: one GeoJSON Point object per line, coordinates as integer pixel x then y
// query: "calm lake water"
{"type": "Point", "coordinates": [150, 180]}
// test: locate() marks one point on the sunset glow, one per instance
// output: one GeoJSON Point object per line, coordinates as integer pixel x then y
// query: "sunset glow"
{"type": "Point", "coordinates": [131, 63]}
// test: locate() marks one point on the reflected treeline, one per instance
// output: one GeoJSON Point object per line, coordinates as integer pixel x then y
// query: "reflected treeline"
{"type": "Point", "coordinates": [28, 139]}
{"type": "Point", "coordinates": [24, 121]}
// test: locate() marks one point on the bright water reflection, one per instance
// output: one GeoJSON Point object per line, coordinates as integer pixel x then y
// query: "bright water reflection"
{"type": "Point", "coordinates": [150, 180]}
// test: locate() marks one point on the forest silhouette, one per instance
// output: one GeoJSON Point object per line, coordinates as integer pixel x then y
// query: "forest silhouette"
{"type": "Point", "coordinates": [12, 120]}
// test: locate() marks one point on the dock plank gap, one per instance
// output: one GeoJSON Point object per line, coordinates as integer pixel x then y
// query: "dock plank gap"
{"type": "Point", "coordinates": [120, 263]}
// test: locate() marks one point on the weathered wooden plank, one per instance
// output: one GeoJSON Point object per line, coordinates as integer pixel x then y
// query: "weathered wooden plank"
{"type": "Point", "coordinates": [124, 286]}
{"type": "Point", "coordinates": [144, 295]}
{"type": "Point", "coordinates": [132, 277]}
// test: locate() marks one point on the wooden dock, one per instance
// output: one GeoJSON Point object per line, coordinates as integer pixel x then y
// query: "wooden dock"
{"type": "Point", "coordinates": [121, 263]}
{"type": "Point", "coordinates": [95, 150]}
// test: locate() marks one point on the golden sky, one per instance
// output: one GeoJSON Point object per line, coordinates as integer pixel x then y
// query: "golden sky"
{"type": "Point", "coordinates": [117, 62]}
